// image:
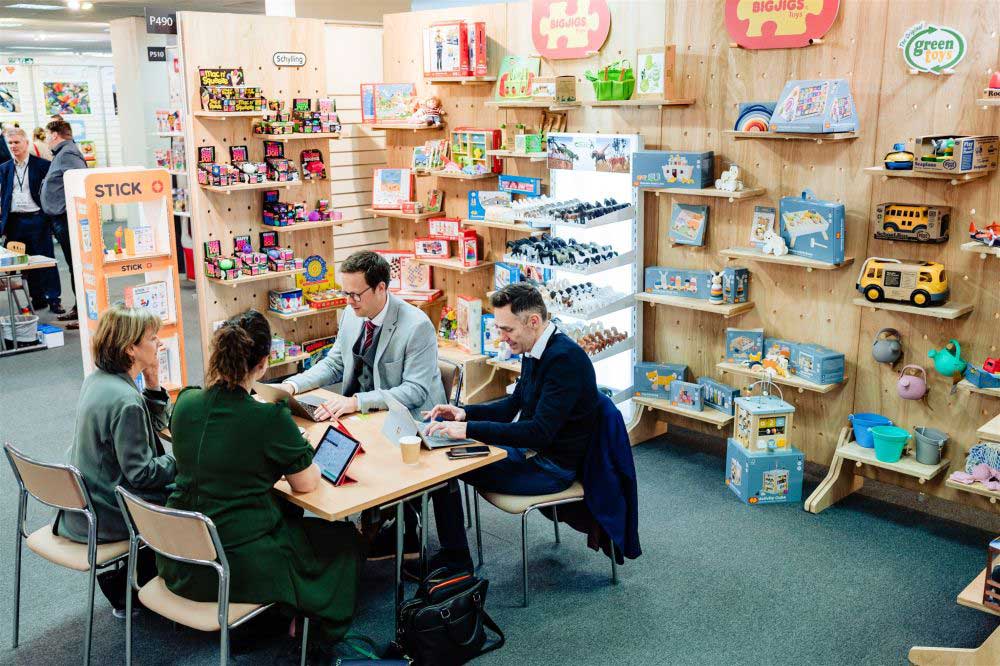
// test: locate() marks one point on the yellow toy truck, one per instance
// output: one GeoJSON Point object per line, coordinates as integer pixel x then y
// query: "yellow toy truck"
{"type": "Point", "coordinates": [920, 283]}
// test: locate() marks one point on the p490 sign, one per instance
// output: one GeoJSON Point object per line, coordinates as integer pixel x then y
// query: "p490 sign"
{"type": "Point", "coordinates": [161, 21]}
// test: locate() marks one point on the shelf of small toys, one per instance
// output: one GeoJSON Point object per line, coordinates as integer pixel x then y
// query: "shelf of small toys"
{"type": "Point", "coordinates": [462, 80]}
{"type": "Point", "coordinates": [244, 279]}
{"type": "Point", "coordinates": [119, 262]}
{"type": "Point", "coordinates": [246, 187]}
{"type": "Point", "coordinates": [505, 154]}
{"type": "Point", "coordinates": [976, 488]}
{"type": "Point", "coordinates": [396, 215]}
{"type": "Point", "coordinates": [639, 102]}
{"type": "Point", "coordinates": [946, 311]}
{"type": "Point", "coordinates": [746, 193]}
{"type": "Point", "coordinates": [969, 387]}
{"type": "Point", "coordinates": [793, 136]}
{"type": "Point", "coordinates": [299, 136]}
{"type": "Point", "coordinates": [305, 226]}
{"type": "Point", "coordinates": [622, 303]}
{"type": "Point", "coordinates": [453, 264]}
{"type": "Point", "coordinates": [307, 312]}
{"type": "Point", "coordinates": [981, 249]}
{"type": "Point", "coordinates": [288, 360]}
{"type": "Point", "coordinates": [990, 430]}
{"type": "Point", "coordinates": [793, 381]}
{"type": "Point", "coordinates": [620, 215]}
{"type": "Point", "coordinates": [716, 418]}
{"type": "Point", "coordinates": [414, 127]}
{"type": "Point", "coordinates": [955, 179]}
{"type": "Point", "coordinates": [461, 175]}
{"type": "Point", "coordinates": [621, 260]}
{"type": "Point", "coordinates": [727, 310]}
{"type": "Point", "coordinates": [536, 104]}
{"type": "Point", "coordinates": [519, 227]}
{"type": "Point", "coordinates": [224, 115]}
{"type": "Point", "coordinates": [755, 254]}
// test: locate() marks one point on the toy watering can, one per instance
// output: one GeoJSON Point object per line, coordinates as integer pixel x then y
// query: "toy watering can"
{"type": "Point", "coordinates": [888, 346]}
{"type": "Point", "coordinates": [948, 361]}
{"type": "Point", "coordinates": [912, 383]}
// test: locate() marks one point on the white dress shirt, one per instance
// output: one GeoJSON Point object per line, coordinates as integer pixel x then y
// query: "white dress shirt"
{"type": "Point", "coordinates": [380, 317]}
{"type": "Point", "coordinates": [21, 201]}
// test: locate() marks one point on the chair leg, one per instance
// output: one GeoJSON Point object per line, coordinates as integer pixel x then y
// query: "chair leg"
{"type": "Point", "coordinates": [479, 531]}
{"type": "Point", "coordinates": [224, 645]}
{"type": "Point", "coordinates": [305, 640]}
{"type": "Point", "coordinates": [17, 565]}
{"type": "Point", "coordinates": [524, 555]}
{"type": "Point", "coordinates": [90, 614]}
{"type": "Point", "coordinates": [468, 506]}
{"type": "Point", "coordinates": [614, 565]}
{"type": "Point", "coordinates": [555, 521]}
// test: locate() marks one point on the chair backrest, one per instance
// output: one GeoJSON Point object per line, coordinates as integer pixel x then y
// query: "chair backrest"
{"type": "Point", "coordinates": [451, 376]}
{"type": "Point", "coordinates": [60, 486]}
{"type": "Point", "coordinates": [181, 535]}
{"type": "Point", "coordinates": [17, 246]}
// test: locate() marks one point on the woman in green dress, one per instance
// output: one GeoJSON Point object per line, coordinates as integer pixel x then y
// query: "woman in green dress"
{"type": "Point", "coordinates": [230, 450]}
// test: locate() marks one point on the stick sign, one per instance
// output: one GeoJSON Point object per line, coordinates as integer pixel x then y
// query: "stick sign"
{"type": "Point", "coordinates": [564, 29]}
{"type": "Point", "coordinates": [779, 24]}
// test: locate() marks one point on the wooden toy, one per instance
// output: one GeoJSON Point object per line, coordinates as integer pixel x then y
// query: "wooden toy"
{"type": "Point", "coordinates": [717, 395]}
{"type": "Point", "coordinates": [899, 159]}
{"type": "Point", "coordinates": [729, 180]}
{"type": "Point", "coordinates": [921, 283]}
{"type": "Point", "coordinates": [686, 394]}
{"type": "Point", "coordinates": [754, 116]}
{"type": "Point", "coordinates": [744, 346]}
{"type": "Point", "coordinates": [687, 224]}
{"type": "Point", "coordinates": [698, 284]}
{"type": "Point", "coordinates": [812, 227]}
{"type": "Point", "coordinates": [815, 107]}
{"type": "Point", "coordinates": [912, 222]}
{"type": "Point", "coordinates": [468, 326]}
{"type": "Point", "coordinates": [774, 244]}
{"type": "Point", "coordinates": [988, 235]}
{"type": "Point", "coordinates": [764, 477]}
{"type": "Point", "coordinates": [956, 154]}
{"type": "Point", "coordinates": [653, 380]}
{"type": "Point", "coordinates": [674, 169]}
{"type": "Point", "coordinates": [763, 422]}
{"type": "Point", "coordinates": [469, 146]}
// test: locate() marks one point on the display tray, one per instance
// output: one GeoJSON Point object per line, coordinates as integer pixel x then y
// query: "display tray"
{"type": "Point", "coordinates": [954, 178]}
{"type": "Point", "coordinates": [754, 254]}
{"type": "Point", "coordinates": [519, 227]}
{"type": "Point", "coordinates": [620, 260]}
{"type": "Point", "coordinates": [245, 279]}
{"type": "Point", "coordinates": [716, 418]}
{"type": "Point", "coordinates": [793, 381]}
{"type": "Point", "coordinates": [946, 311]}
{"type": "Point", "coordinates": [907, 465]}
{"type": "Point", "coordinates": [793, 136]}
{"type": "Point", "coordinates": [727, 310]}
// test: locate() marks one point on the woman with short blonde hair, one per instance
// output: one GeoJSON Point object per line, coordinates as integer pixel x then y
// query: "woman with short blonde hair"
{"type": "Point", "coordinates": [116, 441]}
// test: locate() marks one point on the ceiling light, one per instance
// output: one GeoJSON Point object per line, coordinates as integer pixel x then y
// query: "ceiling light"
{"type": "Point", "coordinates": [36, 7]}
{"type": "Point", "coordinates": [73, 5]}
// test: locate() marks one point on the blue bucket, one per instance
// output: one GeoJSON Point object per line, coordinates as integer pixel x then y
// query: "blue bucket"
{"type": "Point", "coordinates": [862, 422]}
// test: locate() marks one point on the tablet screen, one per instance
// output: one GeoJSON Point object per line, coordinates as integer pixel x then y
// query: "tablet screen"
{"type": "Point", "coordinates": [334, 453]}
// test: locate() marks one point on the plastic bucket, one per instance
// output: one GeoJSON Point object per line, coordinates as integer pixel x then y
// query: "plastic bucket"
{"type": "Point", "coordinates": [25, 328]}
{"type": "Point", "coordinates": [862, 422]}
{"type": "Point", "coordinates": [889, 442]}
{"type": "Point", "coordinates": [929, 444]}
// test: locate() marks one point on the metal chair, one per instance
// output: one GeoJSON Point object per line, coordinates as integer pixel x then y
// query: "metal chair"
{"type": "Point", "coordinates": [523, 505]}
{"type": "Point", "coordinates": [61, 487]}
{"type": "Point", "coordinates": [451, 377]}
{"type": "Point", "coordinates": [191, 537]}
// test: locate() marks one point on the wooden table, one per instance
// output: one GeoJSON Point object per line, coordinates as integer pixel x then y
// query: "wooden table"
{"type": "Point", "coordinates": [381, 478]}
{"type": "Point", "coordinates": [7, 273]}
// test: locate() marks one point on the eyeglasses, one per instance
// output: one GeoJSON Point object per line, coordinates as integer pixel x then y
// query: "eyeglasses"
{"type": "Point", "coordinates": [352, 296]}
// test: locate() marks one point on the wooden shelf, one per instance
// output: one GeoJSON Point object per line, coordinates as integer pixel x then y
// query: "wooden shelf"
{"type": "Point", "coordinates": [451, 351]}
{"type": "Point", "coordinates": [510, 366]}
{"type": "Point", "coordinates": [462, 80]}
{"type": "Point", "coordinates": [969, 387]}
{"type": "Point", "coordinates": [535, 104]}
{"type": "Point", "coordinates": [119, 261]}
{"type": "Point", "coordinates": [990, 430]}
{"type": "Point", "coordinates": [224, 115]}
{"type": "Point", "coordinates": [639, 102]}
{"type": "Point", "coordinates": [395, 214]}
{"type": "Point", "coordinates": [793, 136]}
{"type": "Point", "coordinates": [988, 101]}
{"type": "Point", "coordinates": [404, 127]}
{"type": "Point", "coordinates": [793, 381]}
{"type": "Point", "coordinates": [519, 227]}
{"type": "Point", "coordinates": [246, 187]}
{"type": "Point", "coordinates": [907, 465]}
{"type": "Point", "coordinates": [454, 264]}
{"type": "Point", "coordinates": [727, 310]}
{"type": "Point", "coordinates": [534, 157]}
{"type": "Point", "coordinates": [620, 260]}
{"type": "Point", "coordinates": [972, 596]}
{"type": "Point", "coordinates": [754, 254]}
{"type": "Point", "coordinates": [955, 179]}
{"type": "Point", "coordinates": [747, 193]}
{"type": "Point", "coordinates": [304, 226]}
{"type": "Point", "coordinates": [299, 136]}
{"type": "Point", "coordinates": [457, 175]}
{"type": "Point", "coordinates": [288, 360]}
{"type": "Point", "coordinates": [716, 418]}
{"type": "Point", "coordinates": [978, 248]}
{"type": "Point", "coordinates": [304, 313]}
{"type": "Point", "coordinates": [974, 488]}
{"type": "Point", "coordinates": [270, 275]}
{"type": "Point", "coordinates": [946, 311]}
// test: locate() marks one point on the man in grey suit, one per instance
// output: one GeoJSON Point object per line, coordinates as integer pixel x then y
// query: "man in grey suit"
{"type": "Point", "coordinates": [384, 344]}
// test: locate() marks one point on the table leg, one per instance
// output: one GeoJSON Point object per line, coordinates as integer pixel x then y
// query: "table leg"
{"type": "Point", "coordinates": [423, 535]}
{"type": "Point", "coordinates": [399, 566]}
{"type": "Point", "coordinates": [7, 285]}
{"type": "Point", "coordinates": [13, 313]}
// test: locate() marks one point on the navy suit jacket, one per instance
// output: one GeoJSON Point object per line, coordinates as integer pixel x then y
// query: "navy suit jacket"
{"type": "Point", "coordinates": [37, 169]}
{"type": "Point", "coordinates": [557, 396]}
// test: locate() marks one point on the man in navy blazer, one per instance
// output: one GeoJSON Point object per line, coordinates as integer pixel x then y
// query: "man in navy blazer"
{"type": "Point", "coordinates": [546, 426]}
{"type": "Point", "coordinates": [22, 218]}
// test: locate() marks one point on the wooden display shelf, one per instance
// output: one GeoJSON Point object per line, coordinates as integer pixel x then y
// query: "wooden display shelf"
{"type": "Point", "coordinates": [303, 313]}
{"type": "Point", "coordinates": [454, 264]}
{"type": "Point", "coordinates": [955, 179]}
{"type": "Point", "coordinates": [304, 226]}
{"type": "Point", "coordinates": [793, 136]}
{"type": "Point", "coordinates": [990, 430]}
{"type": "Point", "coordinates": [535, 104]}
{"type": "Point", "coordinates": [405, 126]}
{"type": "Point", "coordinates": [978, 248]}
{"type": "Point", "coordinates": [727, 310]}
{"type": "Point", "coordinates": [974, 488]}
{"type": "Point", "coordinates": [224, 115]}
{"type": "Point", "coordinates": [639, 102]}
{"type": "Point", "coordinates": [621, 260]}
{"type": "Point", "coordinates": [457, 175]}
{"type": "Point", "coordinates": [972, 596]}
{"type": "Point", "coordinates": [841, 479]}
{"type": "Point", "coordinates": [613, 350]}
{"type": "Point", "coordinates": [793, 381]}
{"type": "Point", "coordinates": [969, 387]}
{"type": "Point", "coordinates": [754, 254]}
{"type": "Point", "coordinates": [246, 279]}
{"type": "Point", "coordinates": [988, 101]}
{"type": "Point", "coordinates": [122, 261]}
{"type": "Point", "coordinates": [299, 136]}
{"type": "Point", "coordinates": [947, 311]}
{"type": "Point", "coordinates": [247, 187]}
{"type": "Point", "coordinates": [987, 653]}
{"type": "Point", "coordinates": [715, 192]}
{"type": "Point", "coordinates": [510, 366]}
{"type": "Point", "coordinates": [288, 360]}
{"type": "Point", "coordinates": [462, 80]}
{"type": "Point", "coordinates": [397, 215]}
{"type": "Point", "coordinates": [534, 157]}
{"type": "Point", "coordinates": [716, 418]}
{"type": "Point", "coordinates": [519, 227]}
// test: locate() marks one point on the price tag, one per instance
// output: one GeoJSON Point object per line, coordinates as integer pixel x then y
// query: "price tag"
{"type": "Point", "coordinates": [161, 21]}
{"type": "Point", "coordinates": [156, 54]}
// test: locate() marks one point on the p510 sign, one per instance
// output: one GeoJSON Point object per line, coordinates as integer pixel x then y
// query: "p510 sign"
{"type": "Point", "coordinates": [933, 49]}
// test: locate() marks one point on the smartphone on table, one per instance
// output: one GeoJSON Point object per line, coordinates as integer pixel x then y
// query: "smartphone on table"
{"type": "Point", "coordinates": [459, 452]}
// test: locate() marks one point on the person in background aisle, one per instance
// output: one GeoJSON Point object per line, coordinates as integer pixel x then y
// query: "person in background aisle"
{"type": "Point", "coordinates": [40, 145]}
{"type": "Point", "coordinates": [22, 218]}
{"type": "Point", "coordinates": [116, 441]}
{"type": "Point", "coordinates": [545, 427]}
{"type": "Point", "coordinates": [5, 155]}
{"type": "Point", "coordinates": [231, 449]}
{"type": "Point", "coordinates": [66, 155]}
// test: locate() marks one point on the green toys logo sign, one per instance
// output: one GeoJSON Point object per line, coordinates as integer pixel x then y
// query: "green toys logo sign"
{"type": "Point", "coordinates": [933, 49]}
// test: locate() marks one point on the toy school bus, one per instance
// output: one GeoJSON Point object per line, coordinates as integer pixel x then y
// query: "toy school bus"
{"type": "Point", "coordinates": [919, 283]}
{"type": "Point", "coordinates": [912, 222]}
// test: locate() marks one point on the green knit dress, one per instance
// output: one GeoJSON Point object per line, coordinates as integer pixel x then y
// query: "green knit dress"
{"type": "Point", "coordinates": [230, 450]}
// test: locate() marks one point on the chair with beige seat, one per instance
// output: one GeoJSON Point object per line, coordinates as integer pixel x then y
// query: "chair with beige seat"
{"type": "Point", "coordinates": [61, 487]}
{"type": "Point", "coordinates": [185, 536]}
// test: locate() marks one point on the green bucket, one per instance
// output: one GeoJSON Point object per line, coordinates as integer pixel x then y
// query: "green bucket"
{"type": "Point", "coordinates": [889, 443]}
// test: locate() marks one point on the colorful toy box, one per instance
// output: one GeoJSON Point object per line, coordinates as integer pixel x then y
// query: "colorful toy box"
{"type": "Point", "coordinates": [812, 227]}
{"type": "Point", "coordinates": [671, 168]}
{"type": "Point", "coordinates": [468, 248]}
{"type": "Point", "coordinates": [818, 364]}
{"type": "Point", "coordinates": [505, 274]}
{"type": "Point", "coordinates": [815, 107]}
{"type": "Point", "coordinates": [762, 422]}
{"type": "Point", "coordinates": [431, 248]}
{"type": "Point", "coordinates": [526, 185]}
{"type": "Point", "coordinates": [764, 477]}
{"type": "Point", "coordinates": [469, 146]}
{"type": "Point", "coordinates": [447, 228]}
{"type": "Point", "coordinates": [717, 395]}
{"type": "Point", "coordinates": [469, 324]}
{"type": "Point", "coordinates": [480, 199]}
{"type": "Point", "coordinates": [697, 283]}
{"type": "Point", "coordinates": [653, 380]}
{"type": "Point", "coordinates": [955, 154]}
{"type": "Point", "coordinates": [285, 301]}
{"type": "Point", "coordinates": [446, 49]}
{"type": "Point", "coordinates": [744, 346]}
{"type": "Point", "coordinates": [687, 395]}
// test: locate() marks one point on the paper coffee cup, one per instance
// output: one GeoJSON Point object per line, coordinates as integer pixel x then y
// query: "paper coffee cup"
{"type": "Point", "coordinates": [409, 448]}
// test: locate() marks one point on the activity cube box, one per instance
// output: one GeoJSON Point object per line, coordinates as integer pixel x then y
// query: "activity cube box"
{"type": "Point", "coordinates": [672, 168]}
{"type": "Point", "coordinates": [816, 106]}
{"type": "Point", "coordinates": [970, 153]}
{"type": "Point", "coordinates": [653, 380]}
{"type": "Point", "coordinates": [718, 396]}
{"type": "Point", "coordinates": [812, 227]}
{"type": "Point", "coordinates": [764, 477]}
{"type": "Point", "coordinates": [698, 283]}
{"type": "Point", "coordinates": [762, 422]}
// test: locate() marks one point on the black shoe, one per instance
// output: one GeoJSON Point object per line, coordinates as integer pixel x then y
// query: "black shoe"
{"type": "Point", "coordinates": [69, 316]}
{"type": "Point", "coordinates": [56, 308]}
{"type": "Point", "coordinates": [454, 563]}
{"type": "Point", "coordinates": [384, 545]}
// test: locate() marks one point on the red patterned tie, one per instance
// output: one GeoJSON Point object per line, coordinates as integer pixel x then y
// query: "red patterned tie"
{"type": "Point", "coordinates": [369, 334]}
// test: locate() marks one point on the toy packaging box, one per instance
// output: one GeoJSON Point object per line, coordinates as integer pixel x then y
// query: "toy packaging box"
{"type": "Point", "coordinates": [526, 185]}
{"type": "Point", "coordinates": [812, 227]}
{"type": "Point", "coordinates": [815, 107]}
{"type": "Point", "coordinates": [559, 89]}
{"type": "Point", "coordinates": [469, 146]}
{"type": "Point", "coordinates": [505, 274]}
{"type": "Point", "coordinates": [968, 154]}
{"type": "Point", "coordinates": [479, 199]}
{"type": "Point", "coordinates": [653, 380]}
{"type": "Point", "coordinates": [431, 248]}
{"type": "Point", "coordinates": [697, 283]}
{"type": "Point", "coordinates": [671, 168]}
{"type": "Point", "coordinates": [468, 331]}
{"type": "Point", "coordinates": [687, 224]}
{"type": "Point", "coordinates": [818, 364]}
{"type": "Point", "coordinates": [744, 345]}
{"type": "Point", "coordinates": [686, 394]}
{"type": "Point", "coordinates": [717, 395]}
{"type": "Point", "coordinates": [764, 477]}
{"type": "Point", "coordinates": [491, 336]}
{"type": "Point", "coordinates": [446, 49]}
{"type": "Point", "coordinates": [446, 228]}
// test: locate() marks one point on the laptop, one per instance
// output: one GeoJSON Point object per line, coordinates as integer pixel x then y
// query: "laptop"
{"type": "Point", "coordinates": [400, 423]}
{"type": "Point", "coordinates": [304, 405]}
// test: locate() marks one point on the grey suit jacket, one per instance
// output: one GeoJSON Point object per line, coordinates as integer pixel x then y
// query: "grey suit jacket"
{"type": "Point", "coordinates": [406, 360]}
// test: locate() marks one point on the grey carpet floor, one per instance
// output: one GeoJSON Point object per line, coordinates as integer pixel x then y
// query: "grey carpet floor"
{"type": "Point", "coordinates": [719, 582]}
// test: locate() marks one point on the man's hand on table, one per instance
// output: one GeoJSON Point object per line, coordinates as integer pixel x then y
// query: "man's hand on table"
{"type": "Point", "coordinates": [445, 413]}
{"type": "Point", "coordinates": [451, 429]}
{"type": "Point", "coordinates": [336, 407]}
